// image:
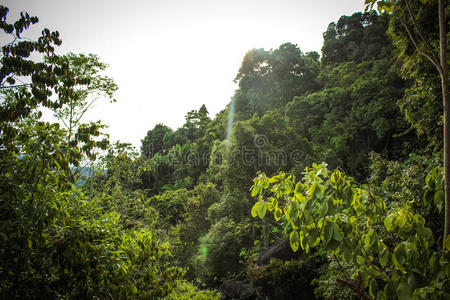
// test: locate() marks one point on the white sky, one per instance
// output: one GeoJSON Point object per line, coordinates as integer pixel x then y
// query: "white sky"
{"type": "Point", "coordinates": [172, 56]}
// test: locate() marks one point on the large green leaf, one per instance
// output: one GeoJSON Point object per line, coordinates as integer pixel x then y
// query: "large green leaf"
{"type": "Point", "coordinates": [373, 287]}
{"type": "Point", "coordinates": [277, 214]}
{"type": "Point", "coordinates": [404, 290]}
{"type": "Point", "coordinates": [299, 189]}
{"type": "Point", "coordinates": [324, 208]}
{"type": "Point", "coordinates": [389, 222]}
{"type": "Point", "coordinates": [261, 210]}
{"type": "Point", "coordinates": [383, 257]}
{"type": "Point", "coordinates": [254, 209]}
{"type": "Point", "coordinates": [294, 240]}
{"type": "Point", "coordinates": [328, 232]}
{"type": "Point", "coordinates": [399, 256]}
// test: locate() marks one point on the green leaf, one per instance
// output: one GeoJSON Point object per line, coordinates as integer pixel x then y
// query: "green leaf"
{"type": "Point", "coordinates": [373, 287]}
{"type": "Point", "coordinates": [272, 204]}
{"type": "Point", "coordinates": [333, 245]}
{"type": "Point", "coordinates": [4, 236]}
{"type": "Point", "coordinates": [447, 242]}
{"type": "Point", "coordinates": [428, 196]}
{"type": "Point", "coordinates": [312, 190]}
{"type": "Point", "coordinates": [256, 189]}
{"type": "Point", "coordinates": [287, 188]}
{"type": "Point", "coordinates": [402, 219]}
{"type": "Point", "coordinates": [294, 240]}
{"type": "Point", "coordinates": [399, 256]}
{"type": "Point", "coordinates": [413, 281]}
{"type": "Point", "coordinates": [299, 189]}
{"type": "Point", "coordinates": [389, 290]}
{"type": "Point", "coordinates": [324, 208]}
{"type": "Point", "coordinates": [426, 233]}
{"type": "Point", "coordinates": [439, 197]}
{"type": "Point", "coordinates": [277, 214]}
{"type": "Point", "coordinates": [403, 290]}
{"type": "Point", "coordinates": [328, 232]}
{"type": "Point", "coordinates": [360, 260]}
{"type": "Point", "coordinates": [254, 209]}
{"type": "Point", "coordinates": [261, 210]}
{"type": "Point", "coordinates": [423, 1]}
{"type": "Point", "coordinates": [337, 234]}
{"type": "Point", "coordinates": [383, 257]}
{"type": "Point", "coordinates": [389, 222]}
{"type": "Point", "coordinates": [370, 239]}
{"type": "Point", "coordinates": [293, 211]}
{"type": "Point", "coordinates": [429, 182]}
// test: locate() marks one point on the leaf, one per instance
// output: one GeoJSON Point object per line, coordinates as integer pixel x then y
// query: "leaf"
{"type": "Point", "coordinates": [287, 188]}
{"type": "Point", "coordinates": [312, 190]}
{"type": "Point", "coordinates": [402, 219]}
{"type": "Point", "coordinates": [299, 189]}
{"type": "Point", "coordinates": [389, 290]}
{"type": "Point", "coordinates": [254, 209]}
{"type": "Point", "coordinates": [439, 197]}
{"type": "Point", "coordinates": [423, 1]}
{"type": "Point", "coordinates": [429, 182]}
{"type": "Point", "coordinates": [389, 222]}
{"type": "Point", "coordinates": [293, 211]}
{"type": "Point", "coordinates": [373, 287]}
{"type": "Point", "coordinates": [370, 239]}
{"type": "Point", "coordinates": [428, 196]}
{"type": "Point", "coordinates": [277, 214]}
{"type": "Point", "coordinates": [256, 189]}
{"type": "Point", "coordinates": [272, 204]}
{"type": "Point", "coordinates": [327, 232]}
{"type": "Point", "coordinates": [426, 233]}
{"type": "Point", "coordinates": [447, 242]}
{"type": "Point", "coordinates": [4, 236]}
{"type": "Point", "coordinates": [383, 257]}
{"type": "Point", "coordinates": [360, 260]}
{"type": "Point", "coordinates": [337, 234]}
{"type": "Point", "coordinates": [403, 290]}
{"type": "Point", "coordinates": [399, 256]}
{"type": "Point", "coordinates": [294, 240]}
{"type": "Point", "coordinates": [324, 208]}
{"type": "Point", "coordinates": [261, 210]}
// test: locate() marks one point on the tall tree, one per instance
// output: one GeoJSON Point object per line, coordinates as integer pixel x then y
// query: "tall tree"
{"type": "Point", "coordinates": [81, 86]}
{"type": "Point", "coordinates": [428, 37]}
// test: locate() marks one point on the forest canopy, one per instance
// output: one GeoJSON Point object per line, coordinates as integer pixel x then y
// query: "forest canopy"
{"type": "Point", "coordinates": [323, 178]}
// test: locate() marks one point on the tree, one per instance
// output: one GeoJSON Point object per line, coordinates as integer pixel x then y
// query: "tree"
{"type": "Point", "coordinates": [154, 142]}
{"type": "Point", "coordinates": [408, 15]}
{"type": "Point", "coordinates": [392, 249]}
{"type": "Point", "coordinates": [81, 86]}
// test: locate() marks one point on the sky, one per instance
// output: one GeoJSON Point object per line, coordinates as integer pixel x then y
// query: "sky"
{"type": "Point", "coordinates": [171, 56]}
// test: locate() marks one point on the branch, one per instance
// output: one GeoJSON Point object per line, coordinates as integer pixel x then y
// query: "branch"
{"type": "Point", "coordinates": [424, 40]}
{"type": "Point", "coordinates": [348, 283]}
{"type": "Point", "coordinates": [436, 64]}
{"type": "Point", "coordinates": [14, 86]}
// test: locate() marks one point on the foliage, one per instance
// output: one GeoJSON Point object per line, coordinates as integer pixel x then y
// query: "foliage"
{"type": "Point", "coordinates": [286, 280]}
{"type": "Point", "coordinates": [395, 253]}
{"type": "Point", "coordinates": [270, 79]}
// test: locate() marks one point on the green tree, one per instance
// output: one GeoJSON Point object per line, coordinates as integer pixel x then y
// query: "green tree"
{"type": "Point", "coordinates": [154, 142]}
{"type": "Point", "coordinates": [425, 37]}
{"type": "Point", "coordinates": [392, 249]}
{"type": "Point", "coordinates": [81, 86]}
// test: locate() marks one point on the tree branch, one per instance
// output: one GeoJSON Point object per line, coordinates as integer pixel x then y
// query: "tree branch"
{"type": "Point", "coordinates": [424, 40]}
{"type": "Point", "coordinates": [436, 64]}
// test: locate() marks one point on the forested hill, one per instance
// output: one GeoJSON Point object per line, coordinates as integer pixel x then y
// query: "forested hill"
{"type": "Point", "coordinates": [337, 154]}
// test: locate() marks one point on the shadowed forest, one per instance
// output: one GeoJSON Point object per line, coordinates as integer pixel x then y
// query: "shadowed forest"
{"type": "Point", "coordinates": [323, 178]}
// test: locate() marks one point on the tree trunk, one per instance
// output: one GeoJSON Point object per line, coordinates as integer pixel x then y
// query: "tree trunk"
{"type": "Point", "coordinates": [444, 84]}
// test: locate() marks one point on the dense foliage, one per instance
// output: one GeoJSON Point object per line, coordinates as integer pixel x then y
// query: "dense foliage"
{"type": "Point", "coordinates": [83, 218]}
